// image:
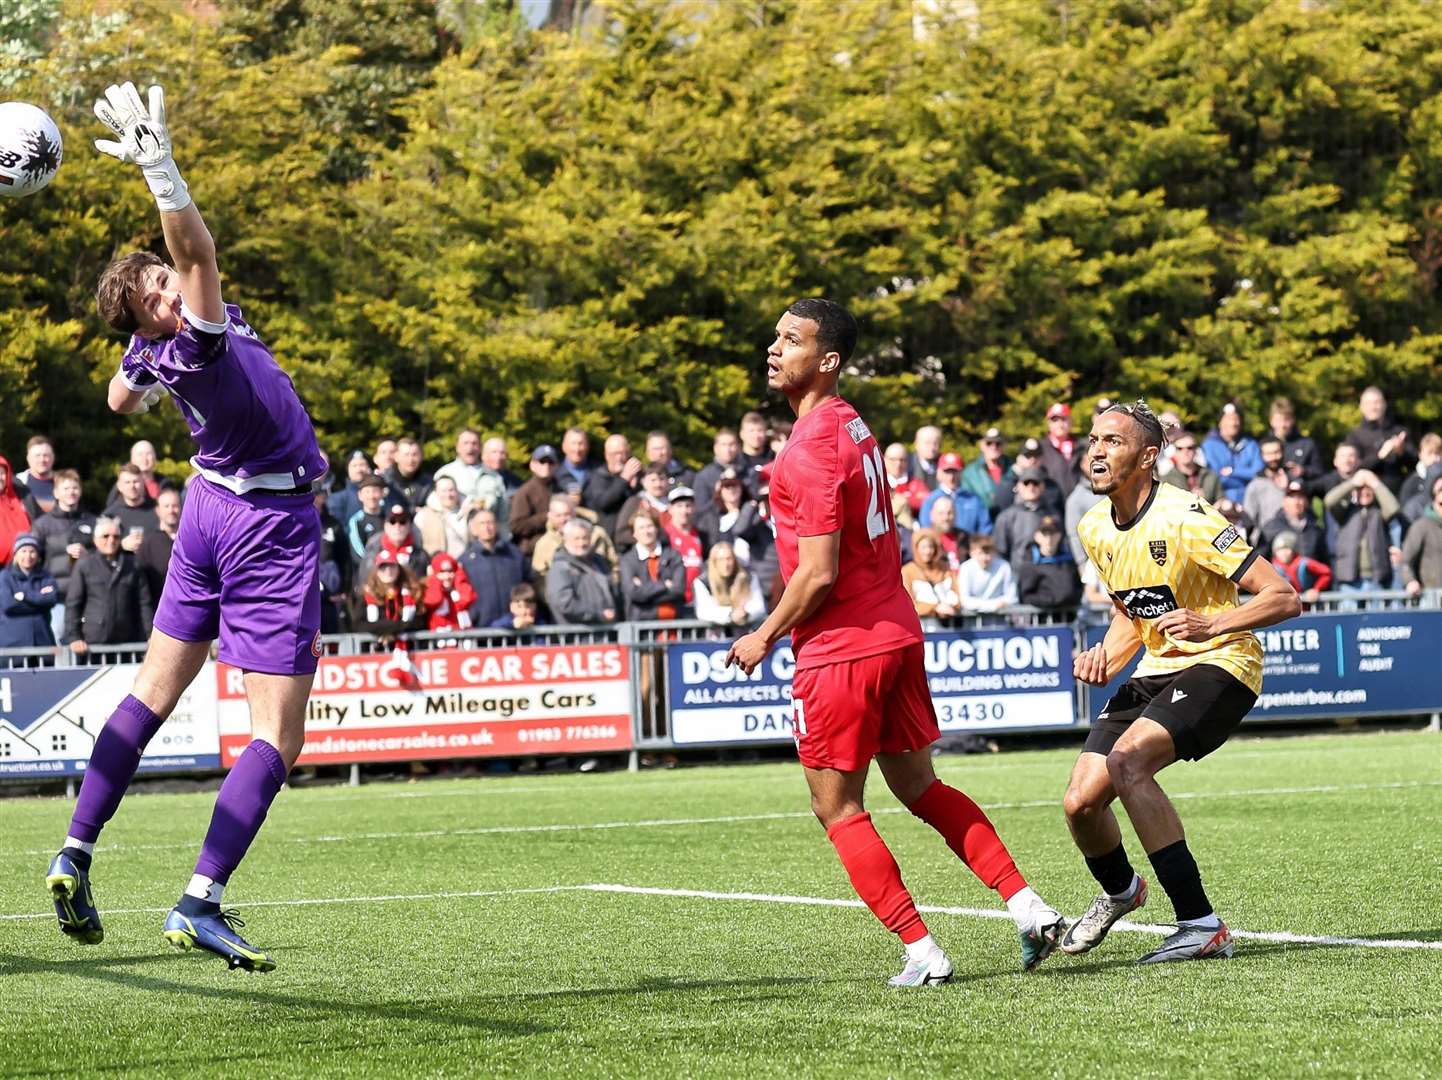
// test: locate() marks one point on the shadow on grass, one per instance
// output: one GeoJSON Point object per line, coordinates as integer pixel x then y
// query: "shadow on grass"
{"type": "Point", "coordinates": [254, 993]}
{"type": "Point", "coordinates": [1246, 950]}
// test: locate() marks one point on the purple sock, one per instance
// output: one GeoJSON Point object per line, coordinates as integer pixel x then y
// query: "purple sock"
{"type": "Point", "coordinates": [240, 809]}
{"type": "Point", "coordinates": [112, 766]}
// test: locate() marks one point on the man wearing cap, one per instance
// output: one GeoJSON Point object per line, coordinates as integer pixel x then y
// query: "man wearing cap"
{"type": "Point", "coordinates": [529, 504]}
{"type": "Point", "coordinates": [680, 527]}
{"type": "Point", "coordinates": [28, 593]}
{"type": "Point", "coordinates": [369, 518]}
{"type": "Point", "coordinates": [1016, 526]}
{"type": "Point", "coordinates": [1234, 456]}
{"type": "Point", "coordinates": [1295, 517]}
{"type": "Point", "coordinates": [400, 538]}
{"type": "Point", "coordinates": [1047, 577]}
{"type": "Point", "coordinates": [984, 476]}
{"type": "Point", "coordinates": [1060, 453]}
{"type": "Point", "coordinates": [972, 516]}
{"type": "Point", "coordinates": [1053, 499]}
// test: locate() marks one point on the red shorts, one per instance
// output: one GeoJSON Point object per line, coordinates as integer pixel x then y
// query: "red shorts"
{"type": "Point", "coordinates": [850, 711]}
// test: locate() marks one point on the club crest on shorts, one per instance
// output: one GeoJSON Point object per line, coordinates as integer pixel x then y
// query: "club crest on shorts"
{"type": "Point", "coordinates": [315, 645]}
{"type": "Point", "coordinates": [1158, 548]}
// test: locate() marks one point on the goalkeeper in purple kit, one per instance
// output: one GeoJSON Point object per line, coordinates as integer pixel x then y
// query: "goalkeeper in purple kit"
{"type": "Point", "coordinates": [246, 557]}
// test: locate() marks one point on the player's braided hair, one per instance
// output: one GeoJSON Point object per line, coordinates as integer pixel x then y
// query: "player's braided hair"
{"type": "Point", "coordinates": [1152, 432]}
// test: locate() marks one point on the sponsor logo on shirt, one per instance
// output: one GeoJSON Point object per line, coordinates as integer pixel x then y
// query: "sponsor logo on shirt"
{"type": "Point", "coordinates": [1226, 538]}
{"type": "Point", "coordinates": [1148, 601]}
{"type": "Point", "coordinates": [858, 430]}
{"type": "Point", "coordinates": [1158, 548]}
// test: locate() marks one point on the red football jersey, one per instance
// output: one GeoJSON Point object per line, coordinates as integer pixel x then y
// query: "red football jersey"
{"type": "Point", "coordinates": [830, 476]}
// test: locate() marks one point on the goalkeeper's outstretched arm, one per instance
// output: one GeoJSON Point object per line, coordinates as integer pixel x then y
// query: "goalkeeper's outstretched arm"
{"type": "Point", "coordinates": [144, 140]}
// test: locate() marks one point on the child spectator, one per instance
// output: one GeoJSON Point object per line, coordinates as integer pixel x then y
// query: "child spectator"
{"type": "Point", "coordinates": [985, 582]}
{"type": "Point", "coordinates": [523, 607]}
{"type": "Point", "coordinates": [448, 595]}
{"type": "Point", "coordinates": [1308, 576]}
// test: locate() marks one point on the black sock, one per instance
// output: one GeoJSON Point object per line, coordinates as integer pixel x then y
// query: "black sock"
{"type": "Point", "coordinates": [194, 905]}
{"type": "Point", "coordinates": [1113, 870]}
{"type": "Point", "coordinates": [79, 858]}
{"type": "Point", "coordinates": [1180, 879]}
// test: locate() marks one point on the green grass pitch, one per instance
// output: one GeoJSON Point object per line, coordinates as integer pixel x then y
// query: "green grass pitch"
{"type": "Point", "coordinates": [1337, 835]}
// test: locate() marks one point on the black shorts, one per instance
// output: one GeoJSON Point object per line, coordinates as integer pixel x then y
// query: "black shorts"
{"type": "Point", "coordinates": [1200, 707]}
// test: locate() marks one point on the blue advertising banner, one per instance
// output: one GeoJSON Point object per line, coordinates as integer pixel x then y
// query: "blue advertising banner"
{"type": "Point", "coordinates": [49, 719]}
{"type": "Point", "coordinates": [1365, 663]}
{"type": "Point", "coordinates": [1005, 679]}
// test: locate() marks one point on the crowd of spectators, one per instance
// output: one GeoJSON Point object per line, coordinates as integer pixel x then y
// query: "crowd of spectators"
{"type": "Point", "coordinates": [573, 538]}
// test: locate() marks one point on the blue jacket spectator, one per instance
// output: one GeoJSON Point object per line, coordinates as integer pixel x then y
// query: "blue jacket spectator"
{"type": "Point", "coordinates": [28, 592]}
{"type": "Point", "coordinates": [972, 513]}
{"type": "Point", "coordinates": [1234, 457]}
{"type": "Point", "coordinates": [494, 567]}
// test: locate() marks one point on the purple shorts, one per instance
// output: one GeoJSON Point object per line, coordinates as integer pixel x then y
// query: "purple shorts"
{"type": "Point", "coordinates": [245, 569]}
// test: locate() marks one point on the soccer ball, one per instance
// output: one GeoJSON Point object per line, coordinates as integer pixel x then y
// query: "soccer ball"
{"type": "Point", "coordinates": [29, 149]}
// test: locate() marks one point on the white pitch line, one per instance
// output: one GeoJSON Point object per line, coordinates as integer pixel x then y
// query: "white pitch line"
{"type": "Point", "coordinates": [1284, 937]}
{"type": "Point", "coordinates": [386, 899]}
{"type": "Point", "coordinates": [995, 913]}
{"type": "Point", "coordinates": [730, 819]}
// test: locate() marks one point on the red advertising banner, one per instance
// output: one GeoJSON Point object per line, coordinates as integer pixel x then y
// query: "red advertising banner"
{"type": "Point", "coordinates": [452, 703]}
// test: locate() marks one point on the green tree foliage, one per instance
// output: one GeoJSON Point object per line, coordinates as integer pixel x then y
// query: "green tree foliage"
{"type": "Point", "coordinates": [438, 217]}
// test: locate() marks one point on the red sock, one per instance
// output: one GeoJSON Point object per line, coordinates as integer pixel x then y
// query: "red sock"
{"type": "Point", "coordinates": [875, 876]}
{"type": "Point", "coordinates": [969, 832]}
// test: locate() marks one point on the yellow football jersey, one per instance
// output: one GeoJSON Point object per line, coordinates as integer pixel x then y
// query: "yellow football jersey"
{"type": "Point", "coordinates": [1179, 552]}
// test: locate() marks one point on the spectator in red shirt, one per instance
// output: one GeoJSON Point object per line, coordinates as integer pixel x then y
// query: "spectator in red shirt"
{"type": "Point", "coordinates": [684, 538]}
{"type": "Point", "coordinates": [1060, 453]}
{"type": "Point", "coordinates": [448, 595]}
{"type": "Point", "coordinates": [1308, 576]}
{"type": "Point", "coordinates": [13, 518]}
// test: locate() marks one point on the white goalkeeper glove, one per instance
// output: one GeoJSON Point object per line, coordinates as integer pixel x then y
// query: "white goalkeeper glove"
{"type": "Point", "coordinates": [152, 397]}
{"type": "Point", "coordinates": [144, 141]}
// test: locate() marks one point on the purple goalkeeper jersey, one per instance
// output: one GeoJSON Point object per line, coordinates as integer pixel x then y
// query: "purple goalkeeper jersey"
{"type": "Point", "coordinates": [251, 431]}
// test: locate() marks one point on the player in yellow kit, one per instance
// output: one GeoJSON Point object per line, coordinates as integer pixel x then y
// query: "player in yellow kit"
{"type": "Point", "coordinates": [1172, 565]}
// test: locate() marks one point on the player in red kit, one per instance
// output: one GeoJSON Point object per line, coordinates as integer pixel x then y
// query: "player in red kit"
{"type": "Point", "coordinates": [860, 689]}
